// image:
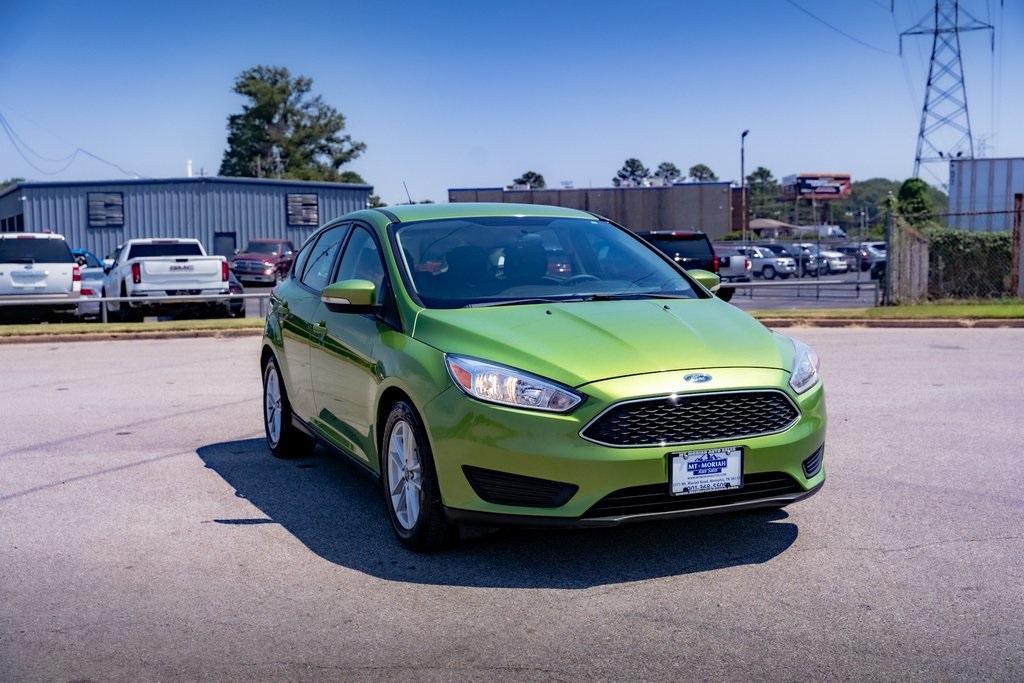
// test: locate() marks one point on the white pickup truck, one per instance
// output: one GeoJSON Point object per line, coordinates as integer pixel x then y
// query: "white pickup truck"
{"type": "Point", "coordinates": [153, 269]}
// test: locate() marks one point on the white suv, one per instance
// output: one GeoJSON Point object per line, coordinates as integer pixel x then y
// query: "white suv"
{"type": "Point", "coordinates": [39, 264]}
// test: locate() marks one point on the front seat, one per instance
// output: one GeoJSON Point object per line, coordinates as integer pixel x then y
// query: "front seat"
{"type": "Point", "coordinates": [526, 262]}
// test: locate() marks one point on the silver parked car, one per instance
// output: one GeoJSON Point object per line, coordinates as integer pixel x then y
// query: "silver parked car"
{"type": "Point", "coordinates": [769, 265]}
{"type": "Point", "coordinates": [92, 291]}
{"type": "Point", "coordinates": [734, 265]}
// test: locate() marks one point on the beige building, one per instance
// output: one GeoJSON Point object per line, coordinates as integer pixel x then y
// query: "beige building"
{"type": "Point", "coordinates": [687, 206]}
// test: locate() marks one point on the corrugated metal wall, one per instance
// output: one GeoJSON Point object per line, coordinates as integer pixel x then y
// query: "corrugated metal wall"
{"type": "Point", "coordinates": [186, 208]}
{"type": "Point", "coordinates": [981, 191]}
{"type": "Point", "coordinates": [690, 206]}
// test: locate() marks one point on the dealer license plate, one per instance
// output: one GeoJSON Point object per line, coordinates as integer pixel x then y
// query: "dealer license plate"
{"type": "Point", "coordinates": [715, 469]}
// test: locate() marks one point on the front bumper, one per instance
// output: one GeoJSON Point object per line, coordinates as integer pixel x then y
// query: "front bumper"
{"type": "Point", "coordinates": [502, 519]}
{"type": "Point", "coordinates": [465, 432]}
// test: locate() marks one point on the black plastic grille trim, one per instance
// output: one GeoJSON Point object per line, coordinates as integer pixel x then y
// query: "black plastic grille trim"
{"type": "Point", "coordinates": [515, 489]}
{"type": "Point", "coordinates": [813, 462]}
{"type": "Point", "coordinates": [653, 498]}
{"type": "Point", "coordinates": [692, 418]}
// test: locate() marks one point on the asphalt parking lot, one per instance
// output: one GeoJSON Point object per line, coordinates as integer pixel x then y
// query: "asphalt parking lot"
{"type": "Point", "coordinates": [147, 534]}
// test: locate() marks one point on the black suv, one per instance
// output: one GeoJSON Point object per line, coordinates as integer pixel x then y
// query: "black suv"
{"type": "Point", "coordinates": [690, 249]}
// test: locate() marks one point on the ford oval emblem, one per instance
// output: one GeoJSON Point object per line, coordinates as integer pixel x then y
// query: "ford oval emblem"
{"type": "Point", "coordinates": [697, 378]}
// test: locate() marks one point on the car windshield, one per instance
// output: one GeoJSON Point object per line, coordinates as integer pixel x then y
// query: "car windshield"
{"type": "Point", "coordinates": [264, 248]}
{"type": "Point", "coordinates": [453, 263]}
{"type": "Point", "coordinates": [34, 250]}
{"type": "Point", "coordinates": [157, 249]}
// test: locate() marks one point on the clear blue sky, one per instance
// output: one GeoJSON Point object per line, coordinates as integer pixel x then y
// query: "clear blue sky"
{"type": "Point", "coordinates": [463, 94]}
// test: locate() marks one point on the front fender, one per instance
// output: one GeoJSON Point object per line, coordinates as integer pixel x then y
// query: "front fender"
{"type": "Point", "coordinates": [272, 332]}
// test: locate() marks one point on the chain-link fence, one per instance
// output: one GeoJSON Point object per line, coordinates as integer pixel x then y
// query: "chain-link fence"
{"type": "Point", "coordinates": [928, 262]}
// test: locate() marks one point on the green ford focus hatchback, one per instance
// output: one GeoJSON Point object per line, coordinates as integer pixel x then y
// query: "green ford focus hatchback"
{"type": "Point", "coordinates": [520, 364]}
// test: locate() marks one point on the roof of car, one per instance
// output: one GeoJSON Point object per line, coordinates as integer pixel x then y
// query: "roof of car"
{"type": "Point", "coordinates": [671, 233]}
{"type": "Point", "coordinates": [31, 235]}
{"type": "Point", "coordinates": [426, 212]}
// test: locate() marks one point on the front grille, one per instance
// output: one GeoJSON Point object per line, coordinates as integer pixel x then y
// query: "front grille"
{"type": "Point", "coordinates": [692, 419]}
{"type": "Point", "coordinates": [250, 266]}
{"type": "Point", "coordinates": [515, 489]}
{"type": "Point", "coordinates": [813, 463]}
{"type": "Point", "coordinates": [652, 498]}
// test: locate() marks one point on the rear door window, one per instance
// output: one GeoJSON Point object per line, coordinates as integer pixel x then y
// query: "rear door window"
{"type": "Point", "coordinates": [321, 259]}
{"type": "Point", "coordinates": [34, 250]}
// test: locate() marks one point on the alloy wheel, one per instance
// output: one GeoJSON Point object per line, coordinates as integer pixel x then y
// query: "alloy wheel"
{"type": "Point", "coordinates": [405, 475]}
{"type": "Point", "coordinates": [272, 405]}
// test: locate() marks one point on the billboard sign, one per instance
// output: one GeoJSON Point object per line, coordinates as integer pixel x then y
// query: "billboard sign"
{"type": "Point", "coordinates": [818, 186]}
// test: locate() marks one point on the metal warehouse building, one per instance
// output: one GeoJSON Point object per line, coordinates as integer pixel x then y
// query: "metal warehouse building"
{"type": "Point", "coordinates": [223, 213]}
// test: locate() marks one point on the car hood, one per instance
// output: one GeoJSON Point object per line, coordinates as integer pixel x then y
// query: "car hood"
{"type": "Point", "coordinates": [256, 256]}
{"type": "Point", "coordinates": [581, 342]}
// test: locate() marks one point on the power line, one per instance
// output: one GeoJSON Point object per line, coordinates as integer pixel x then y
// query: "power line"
{"type": "Point", "coordinates": [838, 30]}
{"type": "Point", "coordinates": [12, 136]}
{"type": "Point", "coordinates": [18, 143]}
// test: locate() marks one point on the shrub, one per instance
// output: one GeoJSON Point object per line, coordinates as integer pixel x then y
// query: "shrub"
{"type": "Point", "coordinates": [965, 264]}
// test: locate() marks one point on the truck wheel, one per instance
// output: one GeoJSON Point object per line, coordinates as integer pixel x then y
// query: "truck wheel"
{"type": "Point", "coordinates": [768, 272]}
{"type": "Point", "coordinates": [126, 312]}
{"type": "Point", "coordinates": [284, 439]}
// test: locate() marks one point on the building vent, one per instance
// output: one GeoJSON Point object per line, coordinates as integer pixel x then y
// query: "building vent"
{"type": "Point", "coordinates": [106, 209]}
{"type": "Point", "coordinates": [303, 210]}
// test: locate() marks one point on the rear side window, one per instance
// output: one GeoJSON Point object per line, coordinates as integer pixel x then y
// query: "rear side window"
{"type": "Point", "coordinates": [321, 259]}
{"type": "Point", "coordinates": [688, 247]}
{"type": "Point", "coordinates": [171, 249]}
{"type": "Point", "coordinates": [32, 250]}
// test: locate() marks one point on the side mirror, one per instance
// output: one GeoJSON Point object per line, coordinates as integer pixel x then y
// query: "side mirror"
{"type": "Point", "coordinates": [707, 279]}
{"type": "Point", "coordinates": [350, 296]}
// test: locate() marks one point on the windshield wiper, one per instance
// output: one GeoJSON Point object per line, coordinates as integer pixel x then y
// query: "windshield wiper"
{"type": "Point", "coordinates": [531, 300]}
{"type": "Point", "coordinates": [635, 295]}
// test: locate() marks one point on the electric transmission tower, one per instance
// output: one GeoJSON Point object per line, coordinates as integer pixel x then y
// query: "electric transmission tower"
{"type": "Point", "coordinates": [945, 130]}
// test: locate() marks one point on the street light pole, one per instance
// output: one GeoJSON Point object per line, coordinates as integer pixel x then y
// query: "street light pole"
{"type": "Point", "coordinates": [743, 185]}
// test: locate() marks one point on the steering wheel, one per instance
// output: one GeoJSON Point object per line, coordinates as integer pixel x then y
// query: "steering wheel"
{"type": "Point", "coordinates": [582, 277]}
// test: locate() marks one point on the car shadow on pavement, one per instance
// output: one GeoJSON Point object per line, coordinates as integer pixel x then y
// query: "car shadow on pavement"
{"type": "Point", "coordinates": [336, 511]}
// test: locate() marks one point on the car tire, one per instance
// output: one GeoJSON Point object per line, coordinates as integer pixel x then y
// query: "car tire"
{"type": "Point", "coordinates": [725, 294]}
{"type": "Point", "coordinates": [768, 272]}
{"type": "Point", "coordinates": [284, 439]}
{"type": "Point", "coordinates": [412, 496]}
{"type": "Point", "coordinates": [126, 313]}
{"type": "Point", "coordinates": [783, 276]}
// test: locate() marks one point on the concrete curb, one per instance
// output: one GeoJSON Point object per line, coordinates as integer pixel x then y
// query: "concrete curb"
{"type": "Point", "coordinates": [123, 336]}
{"type": "Point", "coordinates": [923, 323]}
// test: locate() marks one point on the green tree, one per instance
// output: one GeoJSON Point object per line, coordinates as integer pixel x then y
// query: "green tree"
{"type": "Point", "coordinates": [375, 202]}
{"type": "Point", "coordinates": [532, 179]}
{"type": "Point", "coordinates": [286, 131]}
{"type": "Point", "coordinates": [633, 172]}
{"type": "Point", "coordinates": [668, 172]}
{"type": "Point", "coordinates": [913, 199]}
{"type": "Point", "coordinates": [702, 172]}
{"type": "Point", "coordinates": [763, 193]}
{"type": "Point", "coordinates": [10, 181]}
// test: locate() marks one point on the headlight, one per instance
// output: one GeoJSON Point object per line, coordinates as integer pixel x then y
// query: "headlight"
{"type": "Point", "coordinates": [805, 367]}
{"type": "Point", "coordinates": [508, 386]}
